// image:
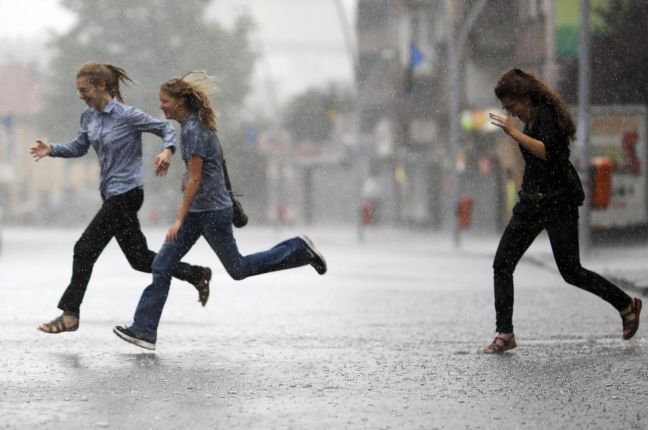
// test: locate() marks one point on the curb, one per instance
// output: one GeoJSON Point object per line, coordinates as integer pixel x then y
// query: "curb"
{"type": "Point", "coordinates": [623, 283]}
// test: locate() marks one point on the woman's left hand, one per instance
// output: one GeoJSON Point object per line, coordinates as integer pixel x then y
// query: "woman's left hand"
{"type": "Point", "coordinates": [172, 234]}
{"type": "Point", "coordinates": [162, 163]}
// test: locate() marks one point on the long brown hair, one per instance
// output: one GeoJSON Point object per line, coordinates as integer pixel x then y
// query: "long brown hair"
{"type": "Point", "coordinates": [111, 75]}
{"type": "Point", "coordinates": [195, 98]}
{"type": "Point", "coordinates": [518, 84]}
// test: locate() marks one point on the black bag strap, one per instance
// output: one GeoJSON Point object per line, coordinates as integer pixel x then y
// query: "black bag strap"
{"type": "Point", "coordinates": [228, 184]}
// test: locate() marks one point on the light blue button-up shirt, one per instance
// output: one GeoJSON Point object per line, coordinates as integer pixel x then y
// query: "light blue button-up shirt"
{"type": "Point", "coordinates": [116, 136]}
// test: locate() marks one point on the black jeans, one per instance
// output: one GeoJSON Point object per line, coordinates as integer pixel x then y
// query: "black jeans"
{"type": "Point", "coordinates": [562, 229]}
{"type": "Point", "coordinates": [116, 218]}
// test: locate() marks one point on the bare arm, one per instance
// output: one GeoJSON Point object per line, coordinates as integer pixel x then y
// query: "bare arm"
{"type": "Point", "coordinates": [534, 146]}
{"type": "Point", "coordinates": [195, 167]}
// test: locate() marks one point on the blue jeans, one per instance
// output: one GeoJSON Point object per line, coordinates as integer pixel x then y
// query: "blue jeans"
{"type": "Point", "coordinates": [216, 228]}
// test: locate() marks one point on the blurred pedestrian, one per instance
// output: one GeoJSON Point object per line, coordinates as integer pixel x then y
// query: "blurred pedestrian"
{"type": "Point", "coordinates": [550, 194]}
{"type": "Point", "coordinates": [114, 130]}
{"type": "Point", "coordinates": [206, 210]}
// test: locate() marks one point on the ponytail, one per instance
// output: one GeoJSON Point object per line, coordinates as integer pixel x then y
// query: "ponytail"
{"type": "Point", "coordinates": [108, 73]}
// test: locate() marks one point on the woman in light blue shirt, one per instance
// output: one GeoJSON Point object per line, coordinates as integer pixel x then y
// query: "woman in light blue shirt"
{"type": "Point", "coordinates": [206, 211]}
{"type": "Point", "coordinates": [114, 130]}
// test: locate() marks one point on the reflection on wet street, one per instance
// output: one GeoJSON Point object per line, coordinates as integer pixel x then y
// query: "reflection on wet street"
{"type": "Point", "coordinates": [397, 348]}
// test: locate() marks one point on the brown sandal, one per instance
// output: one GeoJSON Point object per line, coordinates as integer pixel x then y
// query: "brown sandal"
{"type": "Point", "coordinates": [630, 326]}
{"type": "Point", "coordinates": [500, 344]}
{"type": "Point", "coordinates": [203, 286]}
{"type": "Point", "coordinates": [57, 325]}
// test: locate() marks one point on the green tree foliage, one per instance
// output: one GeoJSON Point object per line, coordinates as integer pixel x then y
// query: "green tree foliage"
{"type": "Point", "coordinates": [620, 54]}
{"type": "Point", "coordinates": [153, 40]}
{"type": "Point", "coordinates": [310, 116]}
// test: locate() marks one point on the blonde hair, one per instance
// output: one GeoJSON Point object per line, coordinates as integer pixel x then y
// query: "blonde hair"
{"type": "Point", "coordinates": [111, 75]}
{"type": "Point", "coordinates": [194, 93]}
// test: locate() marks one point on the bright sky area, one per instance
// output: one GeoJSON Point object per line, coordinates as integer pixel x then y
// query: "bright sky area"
{"type": "Point", "coordinates": [303, 40]}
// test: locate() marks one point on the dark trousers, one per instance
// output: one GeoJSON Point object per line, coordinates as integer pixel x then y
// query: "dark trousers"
{"type": "Point", "coordinates": [116, 218]}
{"type": "Point", "coordinates": [562, 229]}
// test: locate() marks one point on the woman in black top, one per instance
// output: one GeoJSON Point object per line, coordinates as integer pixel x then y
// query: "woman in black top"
{"type": "Point", "coordinates": [549, 199]}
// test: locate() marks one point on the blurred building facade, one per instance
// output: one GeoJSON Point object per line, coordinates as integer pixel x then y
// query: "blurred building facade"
{"type": "Point", "coordinates": [403, 86]}
{"type": "Point", "coordinates": [30, 192]}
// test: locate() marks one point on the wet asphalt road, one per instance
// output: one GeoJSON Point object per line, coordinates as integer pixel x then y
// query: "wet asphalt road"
{"type": "Point", "coordinates": [388, 339]}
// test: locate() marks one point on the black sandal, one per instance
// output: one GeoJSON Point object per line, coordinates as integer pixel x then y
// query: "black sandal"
{"type": "Point", "coordinates": [203, 286]}
{"type": "Point", "coordinates": [57, 325]}
{"type": "Point", "coordinates": [630, 327]}
{"type": "Point", "coordinates": [500, 344]}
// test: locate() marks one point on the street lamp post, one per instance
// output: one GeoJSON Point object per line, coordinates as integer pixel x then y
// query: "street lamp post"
{"type": "Point", "coordinates": [584, 121]}
{"type": "Point", "coordinates": [455, 50]}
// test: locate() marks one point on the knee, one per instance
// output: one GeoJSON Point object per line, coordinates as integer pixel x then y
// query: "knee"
{"type": "Point", "coordinates": [140, 266]}
{"type": "Point", "coordinates": [237, 268]}
{"type": "Point", "coordinates": [159, 267]}
{"type": "Point", "coordinates": [141, 262]}
{"type": "Point", "coordinates": [571, 275]}
{"type": "Point", "coordinates": [237, 275]}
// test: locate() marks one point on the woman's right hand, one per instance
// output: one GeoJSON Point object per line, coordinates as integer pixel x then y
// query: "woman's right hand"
{"type": "Point", "coordinates": [172, 233]}
{"type": "Point", "coordinates": [40, 150]}
{"type": "Point", "coordinates": [505, 122]}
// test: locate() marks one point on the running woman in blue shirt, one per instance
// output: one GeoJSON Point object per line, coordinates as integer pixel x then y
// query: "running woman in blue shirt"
{"type": "Point", "coordinates": [206, 211]}
{"type": "Point", "coordinates": [114, 130]}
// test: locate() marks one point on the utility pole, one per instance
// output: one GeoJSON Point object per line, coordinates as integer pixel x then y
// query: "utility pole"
{"type": "Point", "coordinates": [455, 50]}
{"type": "Point", "coordinates": [550, 67]}
{"type": "Point", "coordinates": [363, 161]}
{"type": "Point", "coordinates": [347, 33]}
{"type": "Point", "coordinates": [584, 121]}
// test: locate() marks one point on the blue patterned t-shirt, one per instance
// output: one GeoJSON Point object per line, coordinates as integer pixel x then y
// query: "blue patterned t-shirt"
{"type": "Point", "coordinates": [196, 141]}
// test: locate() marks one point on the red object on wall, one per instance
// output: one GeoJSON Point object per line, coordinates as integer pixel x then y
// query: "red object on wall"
{"type": "Point", "coordinates": [464, 211]}
{"type": "Point", "coordinates": [602, 168]}
{"type": "Point", "coordinates": [367, 213]}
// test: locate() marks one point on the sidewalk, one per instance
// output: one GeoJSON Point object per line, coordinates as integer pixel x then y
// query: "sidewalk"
{"type": "Point", "coordinates": [626, 266]}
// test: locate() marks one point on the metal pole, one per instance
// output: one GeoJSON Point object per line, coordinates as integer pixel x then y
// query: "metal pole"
{"type": "Point", "coordinates": [454, 135]}
{"type": "Point", "coordinates": [550, 42]}
{"type": "Point", "coordinates": [363, 160]}
{"type": "Point", "coordinates": [455, 50]}
{"type": "Point", "coordinates": [347, 33]}
{"type": "Point", "coordinates": [584, 121]}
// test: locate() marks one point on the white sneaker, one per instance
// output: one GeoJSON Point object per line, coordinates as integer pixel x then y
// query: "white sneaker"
{"type": "Point", "coordinates": [128, 335]}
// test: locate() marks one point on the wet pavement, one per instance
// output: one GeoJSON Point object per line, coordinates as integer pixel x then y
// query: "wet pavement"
{"type": "Point", "coordinates": [388, 339]}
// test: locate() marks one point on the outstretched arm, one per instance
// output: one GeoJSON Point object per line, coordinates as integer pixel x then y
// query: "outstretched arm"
{"type": "Point", "coordinates": [40, 149]}
{"type": "Point", "coordinates": [77, 148]}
